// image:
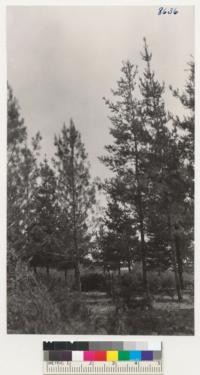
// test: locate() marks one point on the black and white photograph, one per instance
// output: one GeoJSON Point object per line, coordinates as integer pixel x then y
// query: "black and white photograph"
{"type": "Point", "coordinates": [100, 170]}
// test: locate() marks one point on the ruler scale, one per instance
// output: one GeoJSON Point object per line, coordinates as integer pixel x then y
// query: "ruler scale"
{"type": "Point", "coordinates": [58, 368]}
{"type": "Point", "coordinates": [103, 358]}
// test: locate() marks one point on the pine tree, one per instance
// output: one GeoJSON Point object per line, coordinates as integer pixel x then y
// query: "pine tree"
{"type": "Point", "coordinates": [16, 136]}
{"type": "Point", "coordinates": [185, 129]}
{"type": "Point", "coordinates": [127, 157]}
{"type": "Point", "coordinates": [29, 171]}
{"type": "Point", "coordinates": [44, 229]}
{"type": "Point", "coordinates": [187, 98]}
{"type": "Point", "coordinates": [22, 176]}
{"type": "Point", "coordinates": [120, 239]}
{"type": "Point", "coordinates": [16, 128]}
{"type": "Point", "coordinates": [75, 189]}
{"type": "Point", "coordinates": [166, 188]}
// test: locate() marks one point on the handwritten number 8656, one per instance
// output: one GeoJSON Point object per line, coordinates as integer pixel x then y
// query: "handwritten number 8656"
{"type": "Point", "coordinates": [167, 11]}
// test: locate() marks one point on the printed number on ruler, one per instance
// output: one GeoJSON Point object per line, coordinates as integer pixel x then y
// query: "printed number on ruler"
{"type": "Point", "coordinates": [108, 368]}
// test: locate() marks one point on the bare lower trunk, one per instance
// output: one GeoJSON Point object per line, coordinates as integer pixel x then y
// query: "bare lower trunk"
{"type": "Point", "coordinates": [47, 268]}
{"type": "Point", "coordinates": [141, 221]}
{"type": "Point", "coordinates": [77, 263]}
{"type": "Point", "coordinates": [144, 268]}
{"type": "Point", "coordinates": [177, 280]}
{"type": "Point", "coordinates": [77, 276]}
{"type": "Point", "coordinates": [76, 249]}
{"type": "Point", "coordinates": [119, 270]}
{"type": "Point", "coordinates": [179, 262]}
{"type": "Point", "coordinates": [143, 247]}
{"type": "Point", "coordinates": [129, 265]}
{"type": "Point", "coordinates": [176, 275]}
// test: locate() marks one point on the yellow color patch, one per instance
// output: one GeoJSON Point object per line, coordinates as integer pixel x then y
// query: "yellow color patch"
{"type": "Point", "coordinates": [112, 356]}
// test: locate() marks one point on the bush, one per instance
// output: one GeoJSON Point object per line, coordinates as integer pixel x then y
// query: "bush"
{"type": "Point", "coordinates": [154, 281]}
{"type": "Point", "coordinates": [31, 308]}
{"type": "Point", "coordinates": [167, 280]}
{"type": "Point", "coordinates": [93, 281]}
{"type": "Point", "coordinates": [44, 305]}
{"type": "Point", "coordinates": [161, 282]}
{"type": "Point", "coordinates": [129, 286]}
{"type": "Point", "coordinates": [128, 291]}
{"type": "Point", "coordinates": [189, 280]}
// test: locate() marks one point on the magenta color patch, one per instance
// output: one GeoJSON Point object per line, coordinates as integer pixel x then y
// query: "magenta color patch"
{"type": "Point", "coordinates": [88, 356]}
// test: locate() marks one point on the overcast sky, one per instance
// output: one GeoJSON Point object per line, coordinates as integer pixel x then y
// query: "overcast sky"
{"type": "Point", "coordinates": [63, 60]}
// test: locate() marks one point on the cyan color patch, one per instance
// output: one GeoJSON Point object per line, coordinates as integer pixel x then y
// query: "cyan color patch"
{"type": "Point", "coordinates": [135, 355]}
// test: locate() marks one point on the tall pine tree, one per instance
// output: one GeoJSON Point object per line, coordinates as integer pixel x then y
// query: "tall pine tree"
{"type": "Point", "coordinates": [185, 129]}
{"type": "Point", "coordinates": [44, 229]}
{"type": "Point", "coordinates": [29, 171]}
{"type": "Point", "coordinates": [120, 238]}
{"type": "Point", "coordinates": [16, 135]}
{"type": "Point", "coordinates": [75, 189]}
{"type": "Point", "coordinates": [167, 188]}
{"type": "Point", "coordinates": [128, 156]}
{"type": "Point", "coordinates": [22, 172]}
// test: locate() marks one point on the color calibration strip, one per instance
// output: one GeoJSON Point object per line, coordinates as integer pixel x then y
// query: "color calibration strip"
{"type": "Point", "coordinates": [108, 355]}
{"type": "Point", "coordinates": [102, 345]}
{"type": "Point", "coordinates": [102, 357]}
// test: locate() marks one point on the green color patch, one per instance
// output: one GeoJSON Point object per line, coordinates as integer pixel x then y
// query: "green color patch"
{"type": "Point", "coordinates": [124, 355]}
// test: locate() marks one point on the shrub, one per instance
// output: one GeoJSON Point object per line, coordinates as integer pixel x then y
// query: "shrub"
{"type": "Point", "coordinates": [128, 291]}
{"type": "Point", "coordinates": [44, 305]}
{"type": "Point", "coordinates": [167, 280]}
{"type": "Point", "coordinates": [93, 281]}
{"type": "Point", "coordinates": [154, 281]}
{"type": "Point", "coordinates": [31, 308]}
{"type": "Point", "coordinates": [189, 280]}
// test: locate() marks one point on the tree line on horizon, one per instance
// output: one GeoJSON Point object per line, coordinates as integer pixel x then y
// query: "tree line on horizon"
{"type": "Point", "coordinates": [149, 213]}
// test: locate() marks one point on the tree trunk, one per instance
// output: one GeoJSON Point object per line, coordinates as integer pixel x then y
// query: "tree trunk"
{"type": "Point", "coordinates": [129, 265]}
{"type": "Point", "coordinates": [179, 261]}
{"type": "Point", "coordinates": [77, 265]}
{"type": "Point", "coordinates": [176, 275]}
{"type": "Point", "coordinates": [129, 259]}
{"type": "Point", "coordinates": [27, 199]}
{"type": "Point", "coordinates": [144, 268]}
{"type": "Point", "coordinates": [143, 247]}
{"type": "Point", "coordinates": [47, 268]}
{"type": "Point", "coordinates": [77, 276]}
{"type": "Point", "coordinates": [119, 270]}
{"type": "Point", "coordinates": [141, 221]}
{"type": "Point", "coordinates": [76, 250]}
{"type": "Point", "coordinates": [65, 275]}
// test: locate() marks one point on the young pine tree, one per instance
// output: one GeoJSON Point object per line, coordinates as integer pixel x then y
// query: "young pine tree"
{"type": "Point", "coordinates": [128, 155]}
{"type": "Point", "coordinates": [120, 239]}
{"type": "Point", "coordinates": [187, 99]}
{"type": "Point", "coordinates": [76, 191]}
{"type": "Point", "coordinates": [166, 192]}
{"type": "Point", "coordinates": [44, 226]}
{"type": "Point", "coordinates": [22, 180]}
{"type": "Point", "coordinates": [29, 171]}
{"type": "Point", "coordinates": [184, 127]}
{"type": "Point", "coordinates": [16, 135]}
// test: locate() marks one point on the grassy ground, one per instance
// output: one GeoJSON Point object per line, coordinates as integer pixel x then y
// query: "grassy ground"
{"type": "Point", "coordinates": [48, 305]}
{"type": "Point", "coordinates": [165, 318]}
